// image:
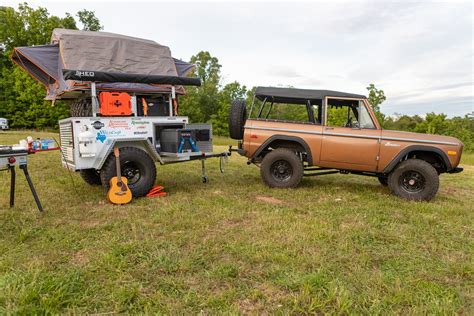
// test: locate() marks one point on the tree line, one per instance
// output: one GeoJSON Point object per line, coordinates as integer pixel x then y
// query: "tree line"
{"type": "Point", "coordinates": [21, 97]}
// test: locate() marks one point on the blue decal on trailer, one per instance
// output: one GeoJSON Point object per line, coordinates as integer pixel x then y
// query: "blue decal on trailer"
{"type": "Point", "coordinates": [101, 136]}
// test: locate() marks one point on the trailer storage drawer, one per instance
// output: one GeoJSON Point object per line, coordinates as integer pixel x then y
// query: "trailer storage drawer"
{"type": "Point", "coordinates": [201, 135]}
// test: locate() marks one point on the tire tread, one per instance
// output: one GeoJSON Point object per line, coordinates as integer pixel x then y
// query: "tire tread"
{"type": "Point", "coordinates": [108, 170]}
{"type": "Point", "coordinates": [281, 154]}
{"type": "Point", "coordinates": [429, 173]}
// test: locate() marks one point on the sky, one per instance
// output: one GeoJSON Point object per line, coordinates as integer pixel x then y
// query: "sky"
{"type": "Point", "coordinates": [420, 53]}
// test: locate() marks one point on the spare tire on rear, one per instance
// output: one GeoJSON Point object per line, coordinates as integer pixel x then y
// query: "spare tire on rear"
{"type": "Point", "coordinates": [81, 107]}
{"type": "Point", "coordinates": [237, 118]}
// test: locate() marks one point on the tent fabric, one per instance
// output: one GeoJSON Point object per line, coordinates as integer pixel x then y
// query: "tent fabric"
{"type": "Point", "coordinates": [99, 51]}
{"type": "Point", "coordinates": [183, 68]}
{"type": "Point", "coordinates": [289, 95]}
{"type": "Point", "coordinates": [108, 52]}
{"type": "Point", "coordinates": [44, 57]}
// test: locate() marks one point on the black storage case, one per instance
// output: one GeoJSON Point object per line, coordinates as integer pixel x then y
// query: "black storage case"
{"type": "Point", "coordinates": [157, 105]}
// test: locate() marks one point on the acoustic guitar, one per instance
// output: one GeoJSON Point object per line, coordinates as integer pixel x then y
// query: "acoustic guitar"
{"type": "Point", "coordinates": [119, 192]}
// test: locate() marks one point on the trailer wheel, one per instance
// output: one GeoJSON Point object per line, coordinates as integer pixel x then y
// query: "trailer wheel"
{"type": "Point", "coordinates": [81, 108]}
{"type": "Point", "coordinates": [136, 165]}
{"type": "Point", "coordinates": [237, 118]}
{"type": "Point", "coordinates": [90, 176]}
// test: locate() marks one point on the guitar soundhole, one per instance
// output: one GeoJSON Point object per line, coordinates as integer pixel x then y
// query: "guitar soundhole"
{"type": "Point", "coordinates": [131, 171]}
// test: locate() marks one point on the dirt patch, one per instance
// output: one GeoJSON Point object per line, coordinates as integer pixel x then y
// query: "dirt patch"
{"type": "Point", "coordinates": [80, 258]}
{"type": "Point", "coordinates": [450, 191]}
{"type": "Point", "coordinates": [91, 223]}
{"type": "Point", "coordinates": [269, 200]}
{"type": "Point", "coordinates": [247, 306]}
{"type": "Point", "coordinates": [352, 224]}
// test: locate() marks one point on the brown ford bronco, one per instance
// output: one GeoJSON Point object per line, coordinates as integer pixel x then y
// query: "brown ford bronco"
{"type": "Point", "coordinates": [291, 133]}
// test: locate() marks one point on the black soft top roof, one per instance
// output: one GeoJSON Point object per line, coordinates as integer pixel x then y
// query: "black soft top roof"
{"type": "Point", "coordinates": [291, 95]}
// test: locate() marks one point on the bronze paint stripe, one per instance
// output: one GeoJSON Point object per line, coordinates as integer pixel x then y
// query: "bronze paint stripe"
{"type": "Point", "coordinates": [352, 135]}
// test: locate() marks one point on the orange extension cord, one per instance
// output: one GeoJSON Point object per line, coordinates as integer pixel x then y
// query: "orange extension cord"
{"type": "Point", "coordinates": [156, 191]}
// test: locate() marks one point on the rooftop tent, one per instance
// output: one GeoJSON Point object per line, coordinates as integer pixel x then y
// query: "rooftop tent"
{"type": "Point", "coordinates": [101, 52]}
{"type": "Point", "coordinates": [40, 60]}
{"type": "Point", "coordinates": [291, 95]}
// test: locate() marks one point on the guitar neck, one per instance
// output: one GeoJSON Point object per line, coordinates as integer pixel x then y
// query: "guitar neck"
{"type": "Point", "coordinates": [117, 166]}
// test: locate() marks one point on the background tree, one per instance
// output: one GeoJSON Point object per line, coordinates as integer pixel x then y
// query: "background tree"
{"type": "Point", "coordinates": [200, 103]}
{"type": "Point", "coordinates": [89, 21]}
{"type": "Point", "coordinates": [376, 98]}
{"type": "Point", "coordinates": [402, 122]}
{"type": "Point", "coordinates": [230, 92]}
{"type": "Point", "coordinates": [22, 97]}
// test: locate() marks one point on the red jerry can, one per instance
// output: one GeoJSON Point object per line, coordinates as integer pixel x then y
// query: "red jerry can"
{"type": "Point", "coordinates": [115, 104]}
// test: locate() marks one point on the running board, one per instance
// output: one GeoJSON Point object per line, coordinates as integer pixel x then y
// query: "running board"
{"type": "Point", "coordinates": [318, 171]}
{"type": "Point", "coordinates": [321, 173]}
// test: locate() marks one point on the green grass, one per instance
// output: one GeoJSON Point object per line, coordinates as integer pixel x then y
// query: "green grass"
{"type": "Point", "coordinates": [338, 244]}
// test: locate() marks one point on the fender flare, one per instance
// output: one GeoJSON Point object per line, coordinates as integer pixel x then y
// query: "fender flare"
{"type": "Point", "coordinates": [295, 139]}
{"type": "Point", "coordinates": [141, 143]}
{"type": "Point", "coordinates": [411, 148]}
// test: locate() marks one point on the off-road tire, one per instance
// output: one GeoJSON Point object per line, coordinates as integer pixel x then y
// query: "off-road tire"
{"type": "Point", "coordinates": [273, 176]}
{"type": "Point", "coordinates": [383, 181]}
{"type": "Point", "coordinates": [133, 158]}
{"type": "Point", "coordinates": [90, 176]}
{"type": "Point", "coordinates": [418, 171]}
{"type": "Point", "coordinates": [81, 107]}
{"type": "Point", "coordinates": [237, 118]}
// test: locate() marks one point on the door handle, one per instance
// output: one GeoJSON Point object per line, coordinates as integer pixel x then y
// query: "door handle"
{"type": "Point", "coordinates": [328, 128]}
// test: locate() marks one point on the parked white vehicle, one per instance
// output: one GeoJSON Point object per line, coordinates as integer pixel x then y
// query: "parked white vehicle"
{"type": "Point", "coordinates": [3, 124]}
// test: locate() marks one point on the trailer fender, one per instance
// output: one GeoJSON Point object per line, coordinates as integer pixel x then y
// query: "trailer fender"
{"type": "Point", "coordinates": [142, 143]}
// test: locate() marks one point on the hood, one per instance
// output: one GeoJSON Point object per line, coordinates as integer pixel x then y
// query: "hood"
{"type": "Point", "coordinates": [419, 137]}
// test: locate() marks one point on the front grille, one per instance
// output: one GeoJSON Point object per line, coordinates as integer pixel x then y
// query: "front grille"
{"type": "Point", "coordinates": [67, 143]}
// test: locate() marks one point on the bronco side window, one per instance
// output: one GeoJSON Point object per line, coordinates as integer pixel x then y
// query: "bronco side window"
{"type": "Point", "coordinates": [348, 113]}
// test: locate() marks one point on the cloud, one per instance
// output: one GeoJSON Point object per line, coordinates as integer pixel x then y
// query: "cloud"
{"type": "Point", "coordinates": [453, 106]}
{"type": "Point", "coordinates": [283, 71]}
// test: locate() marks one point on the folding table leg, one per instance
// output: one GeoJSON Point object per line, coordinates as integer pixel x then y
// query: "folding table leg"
{"type": "Point", "coordinates": [12, 185]}
{"type": "Point", "coordinates": [32, 188]}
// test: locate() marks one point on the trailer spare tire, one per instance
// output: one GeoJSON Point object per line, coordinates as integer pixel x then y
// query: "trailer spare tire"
{"type": "Point", "coordinates": [90, 176]}
{"type": "Point", "coordinates": [136, 165]}
{"type": "Point", "coordinates": [237, 118]}
{"type": "Point", "coordinates": [81, 107]}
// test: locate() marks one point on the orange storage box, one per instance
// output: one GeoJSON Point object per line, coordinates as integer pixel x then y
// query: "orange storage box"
{"type": "Point", "coordinates": [115, 104]}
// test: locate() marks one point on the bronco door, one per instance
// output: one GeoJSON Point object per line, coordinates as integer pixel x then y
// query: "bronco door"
{"type": "Point", "coordinates": [281, 122]}
{"type": "Point", "coordinates": [351, 137]}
